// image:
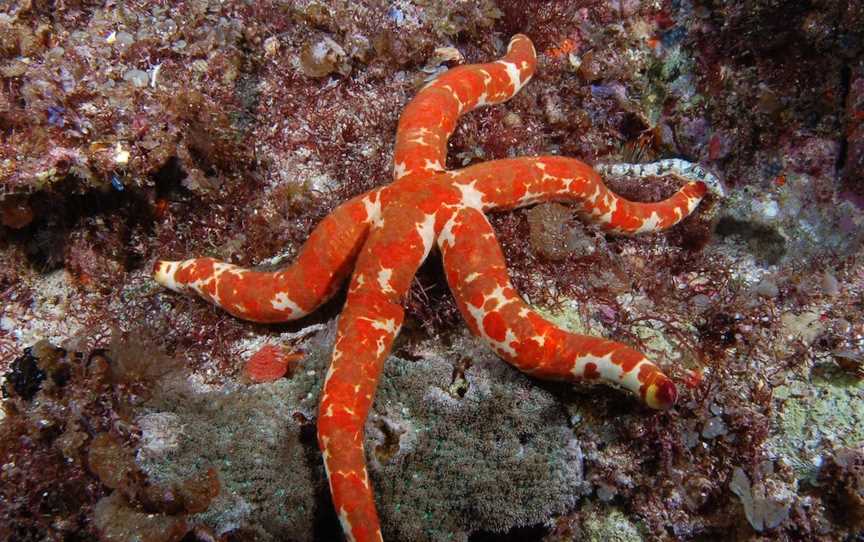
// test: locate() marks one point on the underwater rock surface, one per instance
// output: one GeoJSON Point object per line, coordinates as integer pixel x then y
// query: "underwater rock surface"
{"type": "Point", "coordinates": [492, 453]}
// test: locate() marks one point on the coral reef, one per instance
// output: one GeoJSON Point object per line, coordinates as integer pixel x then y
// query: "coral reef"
{"type": "Point", "coordinates": [231, 128]}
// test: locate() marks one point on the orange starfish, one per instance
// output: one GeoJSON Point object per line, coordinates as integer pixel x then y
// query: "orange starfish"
{"type": "Point", "coordinates": [384, 236]}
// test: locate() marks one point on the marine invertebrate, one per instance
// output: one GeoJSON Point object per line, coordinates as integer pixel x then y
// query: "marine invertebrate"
{"type": "Point", "coordinates": [269, 363]}
{"type": "Point", "coordinates": [385, 234]}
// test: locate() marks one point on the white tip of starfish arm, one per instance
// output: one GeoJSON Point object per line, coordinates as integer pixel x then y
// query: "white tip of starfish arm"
{"type": "Point", "coordinates": [163, 273]}
{"type": "Point", "coordinates": [682, 169]}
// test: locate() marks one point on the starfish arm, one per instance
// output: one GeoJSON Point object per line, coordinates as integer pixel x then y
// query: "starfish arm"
{"type": "Point", "coordinates": [367, 327]}
{"type": "Point", "coordinates": [518, 182]}
{"type": "Point", "coordinates": [322, 265]}
{"type": "Point", "coordinates": [477, 275]}
{"type": "Point", "coordinates": [430, 118]}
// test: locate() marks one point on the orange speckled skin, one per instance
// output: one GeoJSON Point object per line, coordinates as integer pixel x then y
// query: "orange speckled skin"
{"type": "Point", "coordinates": [385, 234]}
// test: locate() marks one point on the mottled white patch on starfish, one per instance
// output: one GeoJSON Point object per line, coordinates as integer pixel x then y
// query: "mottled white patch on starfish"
{"type": "Point", "coordinates": [165, 274]}
{"type": "Point", "coordinates": [337, 352]}
{"type": "Point", "coordinates": [433, 165]}
{"type": "Point", "coordinates": [388, 325]}
{"type": "Point", "coordinates": [530, 198]}
{"type": "Point", "coordinates": [346, 525]}
{"type": "Point", "coordinates": [447, 237]}
{"type": "Point", "coordinates": [471, 197]}
{"type": "Point", "coordinates": [327, 376]}
{"type": "Point", "coordinates": [498, 297]}
{"type": "Point", "coordinates": [486, 77]}
{"type": "Point", "coordinates": [325, 453]}
{"type": "Point", "coordinates": [479, 314]}
{"type": "Point", "coordinates": [514, 75]}
{"type": "Point", "coordinates": [419, 140]}
{"type": "Point", "coordinates": [460, 105]}
{"type": "Point", "coordinates": [691, 204]}
{"type": "Point", "coordinates": [373, 211]}
{"type": "Point", "coordinates": [649, 224]}
{"type": "Point", "coordinates": [630, 379]}
{"type": "Point", "coordinates": [282, 302]}
{"type": "Point", "coordinates": [593, 197]}
{"type": "Point", "coordinates": [384, 275]}
{"type": "Point", "coordinates": [381, 346]}
{"type": "Point", "coordinates": [606, 218]}
{"type": "Point", "coordinates": [399, 170]}
{"type": "Point", "coordinates": [604, 366]}
{"type": "Point", "coordinates": [426, 229]}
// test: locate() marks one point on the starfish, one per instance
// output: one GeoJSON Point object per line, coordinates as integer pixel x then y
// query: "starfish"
{"type": "Point", "coordinates": [385, 234]}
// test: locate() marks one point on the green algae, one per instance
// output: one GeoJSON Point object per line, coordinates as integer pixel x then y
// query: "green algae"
{"type": "Point", "coordinates": [610, 526]}
{"type": "Point", "coordinates": [815, 417]}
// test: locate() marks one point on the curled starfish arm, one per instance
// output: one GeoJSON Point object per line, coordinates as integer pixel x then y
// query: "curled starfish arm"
{"type": "Point", "coordinates": [367, 327]}
{"type": "Point", "coordinates": [518, 182]}
{"type": "Point", "coordinates": [477, 275]}
{"type": "Point", "coordinates": [430, 118]}
{"type": "Point", "coordinates": [323, 264]}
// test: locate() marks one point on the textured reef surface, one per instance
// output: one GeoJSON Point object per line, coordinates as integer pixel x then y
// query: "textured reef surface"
{"type": "Point", "coordinates": [136, 130]}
